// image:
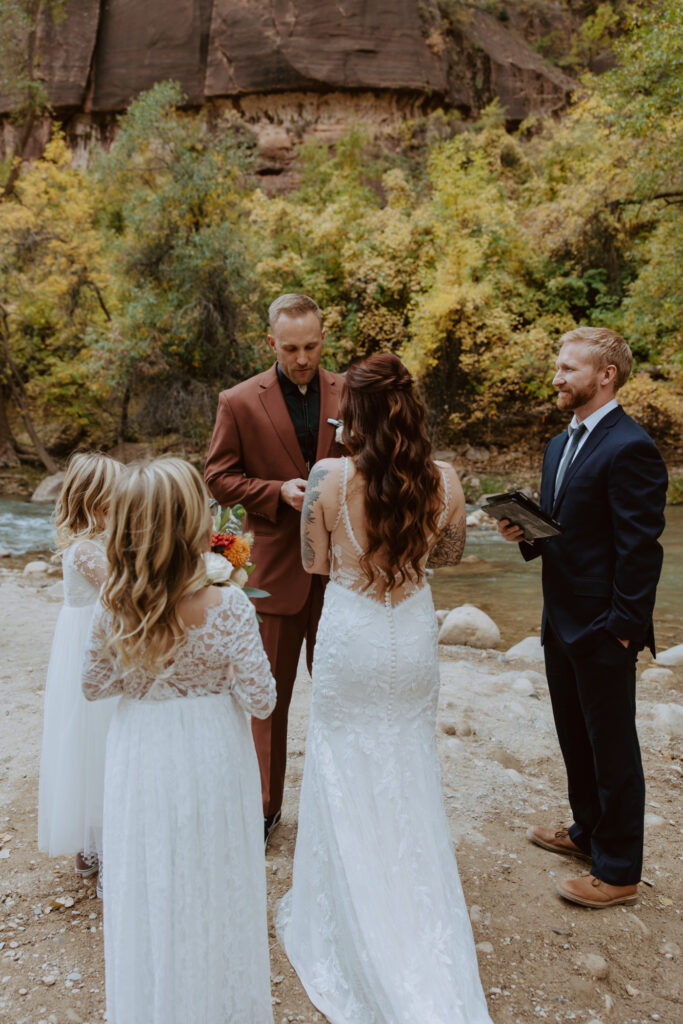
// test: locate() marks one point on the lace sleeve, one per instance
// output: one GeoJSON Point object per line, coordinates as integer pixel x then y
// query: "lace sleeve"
{"type": "Point", "coordinates": [253, 682]}
{"type": "Point", "coordinates": [100, 676]}
{"type": "Point", "coordinates": [91, 562]}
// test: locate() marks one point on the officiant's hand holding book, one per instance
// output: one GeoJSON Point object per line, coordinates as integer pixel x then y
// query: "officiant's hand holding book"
{"type": "Point", "coordinates": [522, 511]}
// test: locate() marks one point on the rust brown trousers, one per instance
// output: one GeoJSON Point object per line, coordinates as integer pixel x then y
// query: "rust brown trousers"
{"type": "Point", "coordinates": [253, 451]}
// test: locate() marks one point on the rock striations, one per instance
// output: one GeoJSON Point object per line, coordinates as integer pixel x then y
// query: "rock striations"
{"type": "Point", "coordinates": [99, 56]}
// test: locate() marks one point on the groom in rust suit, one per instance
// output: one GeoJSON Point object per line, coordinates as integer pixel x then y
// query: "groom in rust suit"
{"type": "Point", "coordinates": [269, 431]}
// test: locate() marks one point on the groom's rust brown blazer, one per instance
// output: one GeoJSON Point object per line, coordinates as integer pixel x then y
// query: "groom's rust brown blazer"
{"type": "Point", "coordinates": [253, 450]}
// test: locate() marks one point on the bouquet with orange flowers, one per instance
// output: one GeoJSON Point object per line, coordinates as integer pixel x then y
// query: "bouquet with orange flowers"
{"type": "Point", "coordinates": [229, 560]}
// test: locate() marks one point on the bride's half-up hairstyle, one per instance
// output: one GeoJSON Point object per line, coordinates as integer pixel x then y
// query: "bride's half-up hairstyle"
{"type": "Point", "coordinates": [384, 430]}
{"type": "Point", "coordinates": [160, 523]}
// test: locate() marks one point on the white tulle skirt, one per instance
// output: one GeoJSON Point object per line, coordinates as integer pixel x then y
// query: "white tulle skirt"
{"type": "Point", "coordinates": [185, 929]}
{"type": "Point", "coordinates": [71, 786]}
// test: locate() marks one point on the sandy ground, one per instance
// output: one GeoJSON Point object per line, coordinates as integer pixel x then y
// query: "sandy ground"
{"type": "Point", "coordinates": [540, 957]}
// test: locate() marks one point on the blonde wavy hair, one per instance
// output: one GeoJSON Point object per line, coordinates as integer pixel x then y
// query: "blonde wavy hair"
{"type": "Point", "coordinates": [160, 523]}
{"type": "Point", "coordinates": [85, 496]}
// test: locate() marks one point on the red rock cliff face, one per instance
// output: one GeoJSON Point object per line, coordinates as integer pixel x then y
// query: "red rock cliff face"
{"type": "Point", "coordinates": [104, 52]}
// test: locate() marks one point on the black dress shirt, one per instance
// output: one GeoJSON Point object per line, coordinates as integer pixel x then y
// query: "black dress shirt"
{"type": "Point", "coordinates": [304, 410]}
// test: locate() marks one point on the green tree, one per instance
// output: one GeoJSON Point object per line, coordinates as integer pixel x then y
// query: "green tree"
{"type": "Point", "coordinates": [173, 213]}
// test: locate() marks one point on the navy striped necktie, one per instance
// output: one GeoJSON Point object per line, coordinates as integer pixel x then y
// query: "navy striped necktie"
{"type": "Point", "coordinates": [568, 455]}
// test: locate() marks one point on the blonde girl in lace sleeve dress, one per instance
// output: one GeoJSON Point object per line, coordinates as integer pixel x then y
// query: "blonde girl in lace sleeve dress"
{"type": "Point", "coordinates": [71, 785]}
{"type": "Point", "coordinates": [376, 924]}
{"type": "Point", "coordinates": [185, 934]}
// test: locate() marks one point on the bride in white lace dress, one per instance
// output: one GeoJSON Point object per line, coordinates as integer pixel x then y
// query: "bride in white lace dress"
{"type": "Point", "coordinates": [375, 923]}
{"type": "Point", "coordinates": [185, 932]}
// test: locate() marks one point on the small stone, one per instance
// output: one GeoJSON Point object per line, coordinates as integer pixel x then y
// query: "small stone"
{"type": "Point", "coordinates": [593, 964]}
{"type": "Point", "coordinates": [669, 719]}
{"type": "Point", "coordinates": [478, 916]}
{"type": "Point", "coordinates": [49, 979]}
{"type": "Point", "coordinates": [669, 948]}
{"type": "Point", "coordinates": [479, 518]}
{"type": "Point", "coordinates": [485, 947]}
{"type": "Point", "coordinates": [23, 991]}
{"type": "Point", "coordinates": [657, 676]}
{"type": "Point", "coordinates": [35, 568]}
{"type": "Point", "coordinates": [74, 976]}
{"type": "Point", "coordinates": [653, 820]}
{"type": "Point", "coordinates": [524, 687]}
{"type": "Point", "coordinates": [632, 991]}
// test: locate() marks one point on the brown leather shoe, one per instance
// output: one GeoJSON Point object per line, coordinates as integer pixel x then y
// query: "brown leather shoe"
{"type": "Point", "coordinates": [556, 842]}
{"type": "Point", "coordinates": [589, 891]}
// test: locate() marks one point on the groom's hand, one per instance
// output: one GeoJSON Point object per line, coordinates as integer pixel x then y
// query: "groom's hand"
{"type": "Point", "coordinates": [292, 492]}
{"type": "Point", "coordinates": [509, 531]}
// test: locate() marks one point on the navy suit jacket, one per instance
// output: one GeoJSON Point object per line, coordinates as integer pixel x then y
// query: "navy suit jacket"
{"type": "Point", "coordinates": [602, 572]}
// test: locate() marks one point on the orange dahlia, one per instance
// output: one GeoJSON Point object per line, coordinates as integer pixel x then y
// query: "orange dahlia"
{"type": "Point", "coordinates": [238, 552]}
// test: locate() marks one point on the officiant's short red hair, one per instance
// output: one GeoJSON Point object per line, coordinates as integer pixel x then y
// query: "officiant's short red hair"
{"type": "Point", "coordinates": [384, 428]}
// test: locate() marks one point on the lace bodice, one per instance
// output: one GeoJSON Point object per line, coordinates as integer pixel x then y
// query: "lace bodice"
{"type": "Point", "coordinates": [84, 567]}
{"type": "Point", "coordinates": [346, 548]}
{"type": "Point", "coordinates": [224, 654]}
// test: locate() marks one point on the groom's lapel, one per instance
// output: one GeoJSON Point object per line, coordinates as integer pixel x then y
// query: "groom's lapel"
{"type": "Point", "coordinates": [274, 404]}
{"type": "Point", "coordinates": [553, 457]}
{"type": "Point", "coordinates": [329, 410]}
{"type": "Point", "coordinates": [594, 439]}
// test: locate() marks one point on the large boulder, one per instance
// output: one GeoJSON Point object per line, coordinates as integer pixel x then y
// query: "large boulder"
{"type": "Point", "coordinates": [672, 657]}
{"type": "Point", "coordinates": [469, 626]}
{"type": "Point", "coordinates": [49, 488]}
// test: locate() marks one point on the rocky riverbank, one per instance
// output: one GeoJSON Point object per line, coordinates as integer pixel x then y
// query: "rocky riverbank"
{"type": "Point", "coordinates": [540, 958]}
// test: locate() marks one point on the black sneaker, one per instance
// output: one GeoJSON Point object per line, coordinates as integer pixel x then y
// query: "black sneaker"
{"type": "Point", "coordinates": [269, 825]}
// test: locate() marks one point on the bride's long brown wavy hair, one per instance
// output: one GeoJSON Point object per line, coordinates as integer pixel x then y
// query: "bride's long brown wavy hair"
{"type": "Point", "coordinates": [384, 430]}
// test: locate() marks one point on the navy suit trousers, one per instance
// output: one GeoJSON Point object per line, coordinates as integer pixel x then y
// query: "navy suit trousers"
{"type": "Point", "coordinates": [593, 697]}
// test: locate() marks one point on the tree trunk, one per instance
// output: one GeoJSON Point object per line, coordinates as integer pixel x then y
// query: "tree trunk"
{"type": "Point", "coordinates": [123, 421]}
{"type": "Point", "coordinates": [18, 392]}
{"type": "Point", "coordinates": [8, 455]}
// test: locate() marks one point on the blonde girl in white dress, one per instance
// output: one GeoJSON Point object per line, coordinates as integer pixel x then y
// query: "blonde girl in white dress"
{"type": "Point", "coordinates": [74, 732]}
{"type": "Point", "coordinates": [185, 932]}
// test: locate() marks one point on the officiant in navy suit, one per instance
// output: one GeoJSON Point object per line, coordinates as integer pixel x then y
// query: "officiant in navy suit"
{"type": "Point", "coordinates": [604, 480]}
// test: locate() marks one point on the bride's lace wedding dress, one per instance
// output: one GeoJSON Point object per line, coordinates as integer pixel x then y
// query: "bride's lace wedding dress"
{"type": "Point", "coordinates": [375, 923]}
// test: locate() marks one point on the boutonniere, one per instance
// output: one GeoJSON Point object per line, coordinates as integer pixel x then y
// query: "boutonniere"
{"type": "Point", "coordinates": [339, 428]}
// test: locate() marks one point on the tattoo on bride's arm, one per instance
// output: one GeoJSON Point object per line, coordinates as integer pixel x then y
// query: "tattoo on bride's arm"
{"type": "Point", "coordinates": [450, 546]}
{"type": "Point", "coordinates": [308, 514]}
